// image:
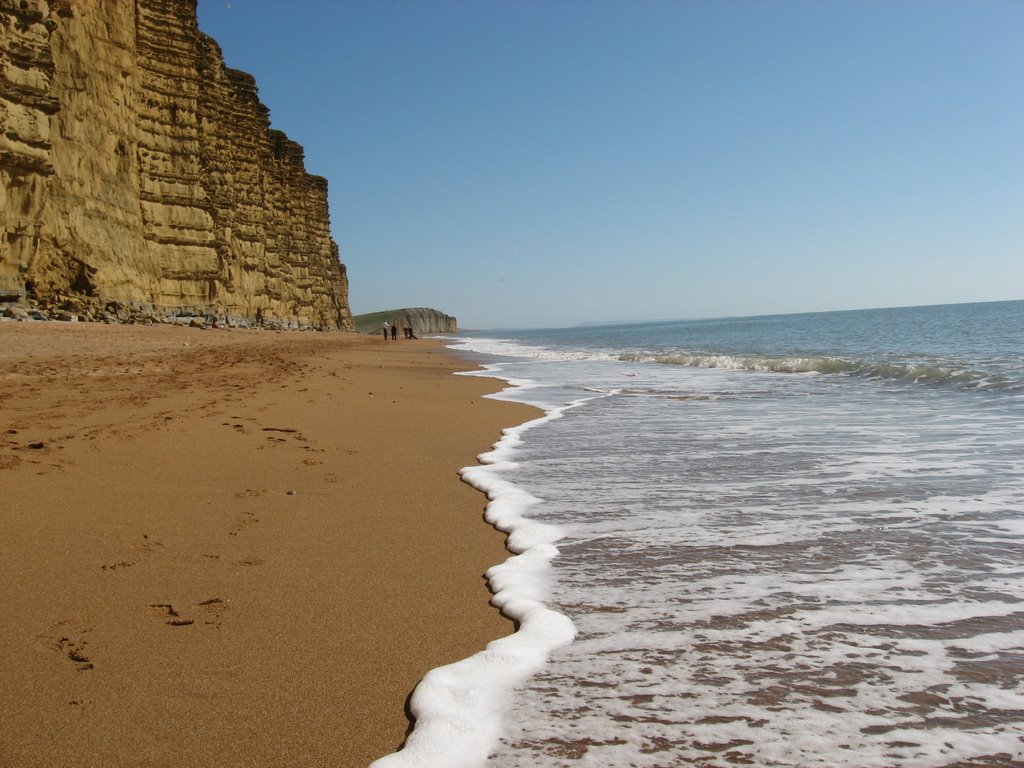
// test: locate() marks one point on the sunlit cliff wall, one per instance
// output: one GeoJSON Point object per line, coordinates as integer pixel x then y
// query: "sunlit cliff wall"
{"type": "Point", "coordinates": [138, 174]}
{"type": "Point", "coordinates": [425, 321]}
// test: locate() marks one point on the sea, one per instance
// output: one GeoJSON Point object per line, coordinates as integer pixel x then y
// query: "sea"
{"type": "Point", "coordinates": [790, 540]}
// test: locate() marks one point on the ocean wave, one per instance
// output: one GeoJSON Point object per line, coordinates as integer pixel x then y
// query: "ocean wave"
{"type": "Point", "coordinates": [917, 373]}
{"type": "Point", "coordinates": [539, 352]}
{"type": "Point", "coordinates": [938, 372]}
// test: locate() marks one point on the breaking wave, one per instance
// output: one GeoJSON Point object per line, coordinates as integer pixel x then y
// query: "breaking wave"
{"type": "Point", "coordinates": [919, 373]}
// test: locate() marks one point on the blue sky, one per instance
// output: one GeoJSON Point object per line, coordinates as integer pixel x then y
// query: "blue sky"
{"type": "Point", "coordinates": [523, 163]}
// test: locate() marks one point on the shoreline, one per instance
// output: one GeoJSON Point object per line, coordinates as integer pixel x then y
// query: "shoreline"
{"type": "Point", "coordinates": [234, 547]}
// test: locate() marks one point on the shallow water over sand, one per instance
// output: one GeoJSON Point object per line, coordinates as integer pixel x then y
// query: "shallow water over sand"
{"type": "Point", "coordinates": [774, 569]}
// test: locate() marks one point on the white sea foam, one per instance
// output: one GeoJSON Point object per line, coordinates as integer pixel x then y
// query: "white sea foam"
{"type": "Point", "coordinates": [459, 708]}
{"type": "Point", "coordinates": [503, 347]}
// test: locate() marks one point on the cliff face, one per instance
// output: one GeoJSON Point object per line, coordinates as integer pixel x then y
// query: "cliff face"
{"type": "Point", "coordinates": [425, 321]}
{"type": "Point", "coordinates": [139, 174]}
{"type": "Point", "coordinates": [422, 320]}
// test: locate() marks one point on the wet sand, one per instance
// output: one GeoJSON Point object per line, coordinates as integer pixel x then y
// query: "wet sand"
{"type": "Point", "coordinates": [233, 548]}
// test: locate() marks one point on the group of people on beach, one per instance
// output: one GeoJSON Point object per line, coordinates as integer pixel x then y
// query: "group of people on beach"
{"type": "Point", "coordinates": [393, 330]}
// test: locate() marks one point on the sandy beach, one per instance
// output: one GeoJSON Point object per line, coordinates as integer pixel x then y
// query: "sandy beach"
{"type": "Point", "coordinates": [233, 548]}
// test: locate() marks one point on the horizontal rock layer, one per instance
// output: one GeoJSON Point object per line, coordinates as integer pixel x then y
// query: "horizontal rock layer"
{"type": "Point", "coordinates": [137, 171]}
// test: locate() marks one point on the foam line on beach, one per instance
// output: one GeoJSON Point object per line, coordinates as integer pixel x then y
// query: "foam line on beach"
{"type": "Point", "coordinates": [459, 708]}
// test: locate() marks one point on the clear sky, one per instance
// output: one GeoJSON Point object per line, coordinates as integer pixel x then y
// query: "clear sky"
{"type": "Point", "coordinates": [523, 163]}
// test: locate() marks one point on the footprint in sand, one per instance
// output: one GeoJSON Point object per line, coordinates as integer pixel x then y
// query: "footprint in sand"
{"type": "Point", "coordinates": [272, 441]}
{"type": "Point", "coordinates": [174, 618]}
{"type": "Point", "coordinates": [68, 642]}
{"type": "Point", "coordinates": [296, 435]}
{"type": "Point", "coordinates": [116, 566]}
{"type": "Point", "coordinates": [244, 521]}
{"type": "Point", "coordinates": [9, 462]}
{"type": "Point", "coordinates": [148, 545]}
{"type": "Point", "coordinates": [213, 608]}
{"type": "Point", "coordinates": [75, 652]}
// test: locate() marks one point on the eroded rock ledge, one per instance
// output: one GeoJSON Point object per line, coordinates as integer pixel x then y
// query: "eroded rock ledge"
{"type": "Point", "coordinates": [140, 178]}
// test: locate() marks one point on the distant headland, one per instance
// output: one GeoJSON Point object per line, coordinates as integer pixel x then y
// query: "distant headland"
{"type": "Point", "coordinates": [422, 320]}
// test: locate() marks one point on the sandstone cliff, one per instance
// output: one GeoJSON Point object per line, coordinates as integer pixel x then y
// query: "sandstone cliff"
{"type": "Point", "coordinates": [422, 320]}
{"type": "Point", "coordinates": [139, 174]}
{"type": "Point", "coordinates": [426, 321]}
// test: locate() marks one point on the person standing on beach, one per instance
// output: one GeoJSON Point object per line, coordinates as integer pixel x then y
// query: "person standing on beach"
{"type": "Point", "coordinates": [385, 330]}
{"type": "Point", "coordinates": [394, 331]}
